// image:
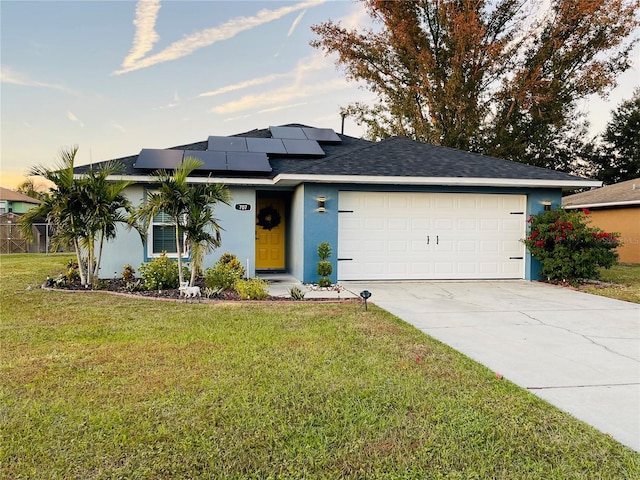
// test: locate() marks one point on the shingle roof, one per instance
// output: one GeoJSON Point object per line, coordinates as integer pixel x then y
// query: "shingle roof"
{"type": "Point", "coordinates": [393, 157]}
{"type": "Point", "coordinates": [621, 193]}
{"type": "Point", "coordinates": [13, 196]}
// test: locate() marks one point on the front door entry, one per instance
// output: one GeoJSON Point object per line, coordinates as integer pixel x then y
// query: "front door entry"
{"type": "Point", "coordinates": [270, 234]}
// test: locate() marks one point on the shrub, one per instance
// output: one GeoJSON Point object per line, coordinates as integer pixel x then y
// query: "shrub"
{"type": "Point", "coordinates": [252, 289]}
{"type": "Point", "coordinates": [160, 273]}
{"type": "Point", "coordinates": [128, 274]}
{"type": "Point", "coordinates": [225, 273]}
{"type": "Point", "coordinates": [72, 274]}
{"type": "Point", "coordinates": [324, 266]}
{"type": "Point", "coordinates": [567, 248]}
{"type": "Point", "coordinates": [296, 293]}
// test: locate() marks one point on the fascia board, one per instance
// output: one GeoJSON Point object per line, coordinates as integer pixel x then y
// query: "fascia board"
{"type": "Point", "coordinates": [227, 181]}
{"type": "Point", "coordinates": [449, 181]}
{"type": "Point", "coordinates": [602, 205]}
{"type": "Point", "coordinates": [295, 179]}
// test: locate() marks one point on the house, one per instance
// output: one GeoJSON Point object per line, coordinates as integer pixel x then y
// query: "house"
{"type": "Point", "coordinates": [15, 202]}
{"type": "Point", "coordinates": [614, 208]}
{"type": "Point", "coordinates": [12, 206]}
{"type": "Point", "coordinates": [397, 209]}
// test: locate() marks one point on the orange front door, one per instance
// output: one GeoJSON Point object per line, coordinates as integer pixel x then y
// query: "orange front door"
{"type": "Point", "coordinates": [270, 234]}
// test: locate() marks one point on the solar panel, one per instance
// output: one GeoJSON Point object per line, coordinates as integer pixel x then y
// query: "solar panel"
{"type": "Point", "coordinates": [303, 147]}
{"type": "Point", "coordinates": [322, 135]}
{"type": "Point", "coordinates": [227, 144]}
{"type": "Point", "coordinates": [288, 132]}
{"type": "Point", "coordinates": [265, 145]}
{"type": "Point", "coordinates": [248, 162]}
{"type": "Point", "coordinates": [159, 159]}
{"type": "Point", "coordinates": [211, 160]}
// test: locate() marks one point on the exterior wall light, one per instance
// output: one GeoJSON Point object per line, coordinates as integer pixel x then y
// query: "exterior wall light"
{"type": "Point", "coordinates": [321, 204]}
{"type": "Point", "coordinates": [547, 206]}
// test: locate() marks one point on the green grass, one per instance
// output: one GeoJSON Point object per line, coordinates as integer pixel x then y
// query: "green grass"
{"type": "Point", "coordinates": [101, 386]}
{"type": "Point", "coordinates": [625, 280]}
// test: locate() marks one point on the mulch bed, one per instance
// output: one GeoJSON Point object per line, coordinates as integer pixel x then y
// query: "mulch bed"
{"type": "Point", "coordinates": [119, 287]}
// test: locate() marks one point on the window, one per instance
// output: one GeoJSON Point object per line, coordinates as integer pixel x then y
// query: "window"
{"type": "Point", "coordinates": [162, 238]}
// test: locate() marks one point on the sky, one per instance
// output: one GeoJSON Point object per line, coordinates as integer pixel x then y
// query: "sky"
{"type": "Point", "coordinates": [114, 77]}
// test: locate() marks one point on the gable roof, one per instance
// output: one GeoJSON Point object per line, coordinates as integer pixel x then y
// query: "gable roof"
{"type": "Point", "coordinates": [13, 196]}
{"type": "Point", "coordinates": [395, 160]}
{"type": "Point", "coordinates": [619, 194]}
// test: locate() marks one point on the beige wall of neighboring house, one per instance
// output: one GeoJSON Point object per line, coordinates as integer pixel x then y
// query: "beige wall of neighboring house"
{"type": "Point", "coordinates": [625, 221]}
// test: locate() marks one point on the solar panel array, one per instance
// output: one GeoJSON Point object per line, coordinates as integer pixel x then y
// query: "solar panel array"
{"type": "Point", "coordinates": [244, 154]}
{"type": "Point", "coordinates": [326, 135]}
{"type": "Point", "coordinates": [211, 161]}
{"type": "Point", "coordinates": [159, 159]}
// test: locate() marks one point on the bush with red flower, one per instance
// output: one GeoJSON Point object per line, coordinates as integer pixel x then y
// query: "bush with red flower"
{"type": "Point", "coordinates": [567, 247]}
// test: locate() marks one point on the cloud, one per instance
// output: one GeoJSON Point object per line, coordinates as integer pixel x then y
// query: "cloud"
{"type": "Point", "coordinates": [8, 75]}
{"type": "Point", "coordinates": [280, 96]}
{"type": "Point", "coordinates": [295, 23]}
{"type": "Point", "coordinates": [118, 127]}
{"type": "Point", "coordinates": [248, 83]}
{"type": "Point", "coordinates": [145, 36]}
{"type": "Point", "coordinates": [204, 38]}
{"type": "Point", "coordinates": [75, 119]}
{"type": "Point", "coordinates": [304, 82]}
{"type": "Point", "coordinates": [282, 107]}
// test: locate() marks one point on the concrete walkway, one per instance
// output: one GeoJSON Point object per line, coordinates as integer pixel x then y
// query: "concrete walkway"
{"type": "Point", "coordinates": [579, 352]}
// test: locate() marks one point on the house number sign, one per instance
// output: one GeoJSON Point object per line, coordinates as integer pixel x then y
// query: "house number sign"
{"type": "Point", "coordinates": [244, 207]}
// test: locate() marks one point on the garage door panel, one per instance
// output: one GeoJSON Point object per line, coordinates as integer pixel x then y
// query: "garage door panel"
{"type": "Point", "coordinates": [430, 236]}
{"type": "Point", "coordinates": [443, 225]}
{"type": "Point", "coordinates": [489, 225]}
{"type": "Point", "coordinates": [372, 247]}
{"type": "Point", "coordinates": [489, 246]}
{"type": "Point", "coordinates": [398, 224]}
{"type": "Point", "coordinates": [467, 224]}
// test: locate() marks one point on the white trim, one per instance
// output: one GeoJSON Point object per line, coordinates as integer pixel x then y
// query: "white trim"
{"type": "Point", "coordinates": [152, 254]}
{"type": "Point", "coordinates": [289, 179]}
{"type": "Point", "coordinates": [601, 205]}
{"type": "Point", "coordinates": [447, 181]}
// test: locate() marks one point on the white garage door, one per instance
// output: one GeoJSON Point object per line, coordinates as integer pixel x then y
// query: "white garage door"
{"type": "Point", "coordinates": [416, 236]}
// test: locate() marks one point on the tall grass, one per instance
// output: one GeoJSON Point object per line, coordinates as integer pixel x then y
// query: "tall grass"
{"type": "Point", "coordinates": [101, 386]}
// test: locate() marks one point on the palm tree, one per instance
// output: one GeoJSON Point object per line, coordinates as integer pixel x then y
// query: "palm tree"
{"type": "Point", "coordinates": [202, 230]}
{"type": "Point", "coordinates": [62, 206]}
{"type": "Point", "coordinates": [30, 189]}
{"type": "Point", "coordinates": [81, 209]}
{"type": "Point", "coordinates": [107, 206]}
{"type": "Point", "coordinates": [180, 203]}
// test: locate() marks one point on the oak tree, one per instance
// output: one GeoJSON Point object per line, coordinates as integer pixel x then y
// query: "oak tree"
{"type": "Point", "coordinates": [502, 77]}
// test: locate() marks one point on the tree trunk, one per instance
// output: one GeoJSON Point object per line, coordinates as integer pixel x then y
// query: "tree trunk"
{"type": "Point", "coordinates": [83, 278]}
{"type": "Point", "coordinates": [96, 272]}
{"type": "Point", "coordinates": [179, 249]}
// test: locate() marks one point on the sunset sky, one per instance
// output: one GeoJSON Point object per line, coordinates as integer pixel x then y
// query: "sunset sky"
{"type": "Point", "coordinates": [117, 76]}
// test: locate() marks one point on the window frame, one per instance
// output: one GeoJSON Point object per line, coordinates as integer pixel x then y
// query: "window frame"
{"type": "Point", "coordinates": [154, 223]}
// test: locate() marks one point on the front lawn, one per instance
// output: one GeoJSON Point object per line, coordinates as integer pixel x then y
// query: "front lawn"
{"type": "Point", "coordinates": [621, 282]}
{"type": "Point", "coordinates": [101, 386]}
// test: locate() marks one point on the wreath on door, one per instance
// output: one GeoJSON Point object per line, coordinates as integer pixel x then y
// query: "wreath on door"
{"type": "Point", "coordinates": [268, 218]}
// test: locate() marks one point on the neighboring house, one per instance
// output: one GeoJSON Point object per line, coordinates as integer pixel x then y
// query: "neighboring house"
{"type": "Point", "coordinates": [614, 208]}
{"type": "Point", "coordinates": [15, 202]}
{"type": "Point", "coordinates": [12, 206]}
{"type": "Point", "coordinates": [391, 210]}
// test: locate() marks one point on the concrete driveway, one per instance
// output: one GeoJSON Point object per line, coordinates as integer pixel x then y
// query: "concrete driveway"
{"type": "Point", "coordinates": [578, 351]}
